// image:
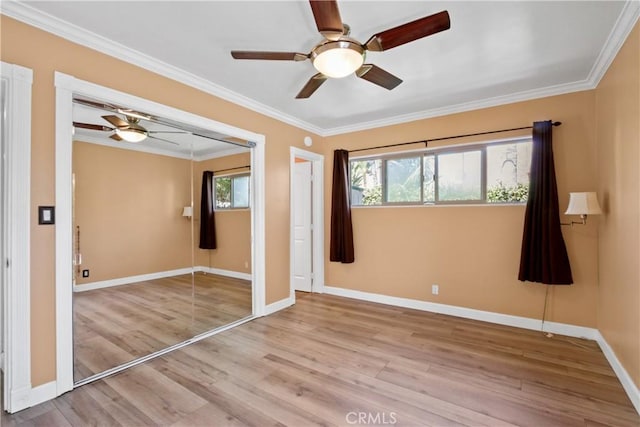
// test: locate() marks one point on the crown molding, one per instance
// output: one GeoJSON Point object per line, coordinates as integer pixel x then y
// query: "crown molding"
{"type": "Point", "coordinates": [22, 12]}
{"type": "Point", "coordinates": [621, 30]}
{"type": "Point", "coordinates": [31, 16]}
{"type": "Point", "coordinates": [89, 139]}
{"type": "Point", "coordinates": [467, 106]}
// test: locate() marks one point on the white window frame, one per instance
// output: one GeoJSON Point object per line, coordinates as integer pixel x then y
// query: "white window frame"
{"type": "Point", "coordinates": [437, 151]}
{"type": "Point", "coordinates": [215, 194]}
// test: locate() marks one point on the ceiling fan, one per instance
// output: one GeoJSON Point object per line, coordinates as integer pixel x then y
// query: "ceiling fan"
{"type": "Point", "coordinates": [128, 129]}
{"type": "Point", "coordinates": [338, 55]}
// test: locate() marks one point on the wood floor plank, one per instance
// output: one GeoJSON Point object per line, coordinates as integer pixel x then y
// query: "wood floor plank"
{"type": "Point", "coordinates": [142, 318]}
{"type": "Point", "coordinates": [329, 358]}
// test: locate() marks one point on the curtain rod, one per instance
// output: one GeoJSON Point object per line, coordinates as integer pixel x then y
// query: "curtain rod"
{"type": "Point", "coordinates": [427, 141]}
{"type": "Point", "coordinates": [232, 169]}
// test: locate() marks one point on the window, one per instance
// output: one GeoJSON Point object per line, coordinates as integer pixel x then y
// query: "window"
{"type": "Point", "coordinates": [232, 191]}
{"type": "Point", "coordinates": [482, 173]}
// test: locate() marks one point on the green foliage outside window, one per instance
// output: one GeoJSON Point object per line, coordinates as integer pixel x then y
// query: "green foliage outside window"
{"type": "Point", "coordinates": [502, 194]}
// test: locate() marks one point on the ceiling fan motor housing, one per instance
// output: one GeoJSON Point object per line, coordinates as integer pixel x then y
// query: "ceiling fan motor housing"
{"type": "Point", "coordinates": [338, 58]}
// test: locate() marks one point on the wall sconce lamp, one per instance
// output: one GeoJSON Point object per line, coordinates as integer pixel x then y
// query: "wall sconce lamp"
{"type": "Point", "coordinates": [187, 211]}
{"type": "Point", "coordinates": [582, 204]}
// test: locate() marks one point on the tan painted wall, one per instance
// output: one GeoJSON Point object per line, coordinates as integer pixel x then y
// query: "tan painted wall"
{"type": "Point", "coordinates": [128, 205]}
{"type": "Point", "coordinates": [44, 53]}
{"type": "Point", "coordinates": [618, 134]}
{"type": "Point", "coordinates": [473, 253]}
{"type": "Point", "coordinates": [233, 227]}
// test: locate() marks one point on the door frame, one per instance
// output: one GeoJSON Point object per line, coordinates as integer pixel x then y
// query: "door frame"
{"type": "Point", "coordinates": [317, 231]}
{"type": "Point", "coordinates": [16, 363]}
{"type": "Point", "coordinates": [66, 87]}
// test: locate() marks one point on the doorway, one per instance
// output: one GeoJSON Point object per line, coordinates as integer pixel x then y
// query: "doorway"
{"type": "Point", "coordinates": [306, 222]}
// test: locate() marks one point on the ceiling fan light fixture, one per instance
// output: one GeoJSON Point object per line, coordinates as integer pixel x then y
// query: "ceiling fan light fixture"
{"type": "Point", "coordinates": [338, 59]}
{"type": "Point", "coordinates": [132, 134]}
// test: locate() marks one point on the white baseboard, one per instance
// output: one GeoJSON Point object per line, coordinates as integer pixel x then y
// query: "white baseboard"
{"type": "Point", "coordinates": [467, 313]}
{"type": "Point", "coordinates": [227, 273]}
{"type": "Point", "coordinates": [278, 305]}
{"type": "Point", "coordinates": [42, 393]}
{"type": "Point", "coordinates": [627, 382]}
{"type": "Point", "coordinates": [159, 275]}
{"type": "Point", "coordinates": [130, 279]}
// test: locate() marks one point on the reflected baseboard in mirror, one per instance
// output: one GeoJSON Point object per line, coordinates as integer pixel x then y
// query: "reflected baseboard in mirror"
{"type": "Point", "coordinates": [116, 325]}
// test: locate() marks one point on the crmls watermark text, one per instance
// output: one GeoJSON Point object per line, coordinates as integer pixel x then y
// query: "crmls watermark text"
{"type": "Point", "coordinates": [371, 418]}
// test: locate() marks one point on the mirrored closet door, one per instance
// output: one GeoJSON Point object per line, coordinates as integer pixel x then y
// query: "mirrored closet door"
{"type": "Point", "coordinates": [162, 234]}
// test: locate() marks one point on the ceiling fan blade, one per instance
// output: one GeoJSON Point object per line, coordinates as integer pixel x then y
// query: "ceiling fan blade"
{"type": "Point", "coordinates": [116, 137]}
{"type": "Point", "coordinates": [378, 76]}
{"type": "Point", "coordinates": [162, 139]}
{"type": "Point", "coordinates": [272, 56]}
{"type": "Point", "coordinates": [328, 20]}
{"type": "Point", "coordinates": [166, 131]}
{"type": "Point", "coordinates": [312, 85]}
{"type": "Point", "coordinates": [116, 121]}
{"type": "Point", "coordinates": [91, 126]}
{"type": "Point", "coordinates": [409, 32]}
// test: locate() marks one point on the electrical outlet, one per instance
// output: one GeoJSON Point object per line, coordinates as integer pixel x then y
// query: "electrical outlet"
{"type": "Point", "coordinates": [85, 273]}
{"type": "Point", "coordinates": [246, 264]}
{"type": "Point", "coordinates": [435, 289]}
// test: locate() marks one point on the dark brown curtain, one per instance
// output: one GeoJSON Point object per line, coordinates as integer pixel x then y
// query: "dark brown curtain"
{"type": "Point", "coordinates": [544, 256]}
{"type": "Point", "coordinates": [207, 220]}
{"type": "Point", "coordinates": [341, 245]}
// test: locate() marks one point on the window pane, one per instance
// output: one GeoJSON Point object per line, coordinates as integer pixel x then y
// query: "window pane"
{"type": "Point", "coordinates": [366, 185]}
{"type": "Point", "coordinates": [403, 180]}
{"type": "Point", "coordinates": [508, 168]}
{"type": "Point", "coordinates": [241, 192]}
{"type": "Point", "coordinates": [459, 176]}
{"type": "Point", "coordinates": [223, 193]}
{"type": "Point", "coordinates": [429, 167]}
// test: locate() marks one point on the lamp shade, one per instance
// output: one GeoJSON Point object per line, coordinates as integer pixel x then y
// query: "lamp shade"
{"type": "Point", "coordinates": [583, 204]}
{"type": "Point", "coordinates": [187, 211]}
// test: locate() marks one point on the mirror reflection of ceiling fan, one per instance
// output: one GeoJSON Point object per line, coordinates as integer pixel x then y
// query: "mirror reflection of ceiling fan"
{"type": "Point", "coordinates": [338, 55]}
{"type": "Point", "coordinates": [128, 129]}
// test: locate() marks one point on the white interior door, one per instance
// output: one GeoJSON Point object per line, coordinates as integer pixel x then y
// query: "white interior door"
{"type": "Point", "coordinates": [302, 240]}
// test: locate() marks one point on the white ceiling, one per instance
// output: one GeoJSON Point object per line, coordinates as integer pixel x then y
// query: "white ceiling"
{"type": "Point", "coordinates": [495, 52]}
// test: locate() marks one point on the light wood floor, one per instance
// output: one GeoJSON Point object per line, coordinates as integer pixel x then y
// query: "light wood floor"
{"type": "Point", "coordinates": [326, 359]}
{"type": "Point", "coordinates": [115, 325]}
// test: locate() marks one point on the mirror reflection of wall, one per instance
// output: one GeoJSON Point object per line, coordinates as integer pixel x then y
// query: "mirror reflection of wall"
{"type": "Point", "coordinates": [141, 284]}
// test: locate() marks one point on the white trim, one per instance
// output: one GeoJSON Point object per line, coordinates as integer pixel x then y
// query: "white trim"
{"type": "Point", "coordinates": [63, 233]}
{"type": "Point", "coordinates": [43, 21]}
{"type": "Point", "coordinates": [130, 279]}
{"type": "Point", "coordinates": [258, 226]}
{"type": "Point", "coordinates": [317, 217]}
{"type": "Point", "coordinates": [42, 393]}
{"type": "Point", "coordinates": [17, 193]}
{"type": "Point", "coordinates": [621, 30]}
{"type": "Point", "coordinates": [25, 13]}
{"type": "Point", "coordinates": [627, 382]}
{"type": "Point", "coordinates": [467, 313]}
{"type": "Point", "coordinates": [66, 87]}
{"type": "Point", "coordinates": [278, 305]}
{"type": "Point", "coordinates": [226, 273]}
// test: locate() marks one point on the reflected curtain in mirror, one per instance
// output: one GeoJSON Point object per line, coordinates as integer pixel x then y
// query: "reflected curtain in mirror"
{"type": "Point", "coordinates": [341, 244]}
{"type": "Point", "coordinates": [543, 258]}
{"type": "Point", "coordinates": [207, 218]}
